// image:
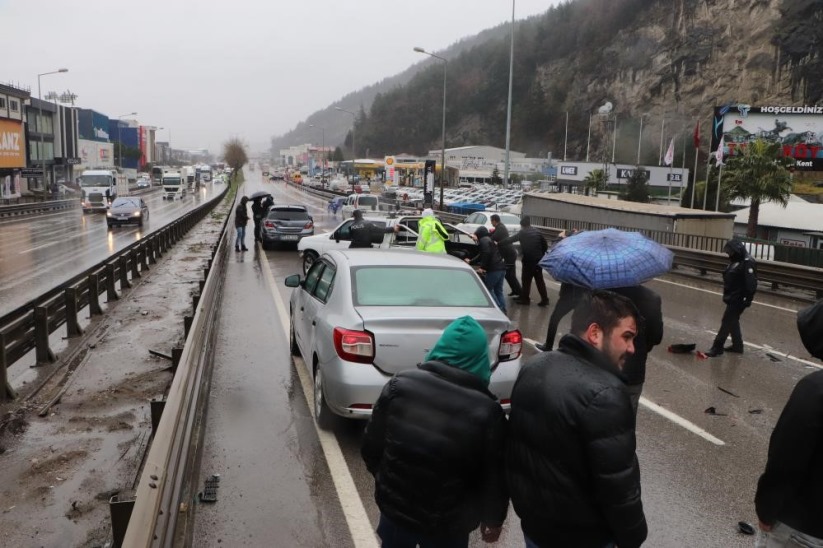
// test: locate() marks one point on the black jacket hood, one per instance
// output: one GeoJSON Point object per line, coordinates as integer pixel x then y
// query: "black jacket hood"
{"type": "Point", "coordinates": [481, 232]}
{"type": "Point", "coordinates": [810, 327]}
{"type": "Point", "coordinates": [735, 249]}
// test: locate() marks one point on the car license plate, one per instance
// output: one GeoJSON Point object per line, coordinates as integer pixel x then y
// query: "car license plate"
{"type": "Point", "coordinates": [289, 238]}
{"type": "Point", "coordinates": [122, 217]}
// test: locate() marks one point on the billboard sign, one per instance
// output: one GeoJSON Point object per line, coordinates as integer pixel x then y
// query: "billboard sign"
{"type": "Point", "coordinates": [93, 126]}
{"type": "Point", "coordinates": [798, 129]}
{"type": "Point", "coordinates": [568, 170]}
{"type": "Point", "coordinates": [625, 173]}
{"type": "Point", "coordinates": [12, 144]}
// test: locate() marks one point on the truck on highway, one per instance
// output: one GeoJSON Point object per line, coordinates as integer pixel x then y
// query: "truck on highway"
{"type": "Point", "coordinates": [100, 187]}
{"type": "Point", "coordinates": [205, 174]}
{"type": "Point", "coordinates": [190, 177]}
{"type": "Point", "coordinates": [174, 184]}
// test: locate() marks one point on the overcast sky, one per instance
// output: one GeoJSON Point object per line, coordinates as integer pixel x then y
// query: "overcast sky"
{"type": "Point", "coordinates": [211, 69]}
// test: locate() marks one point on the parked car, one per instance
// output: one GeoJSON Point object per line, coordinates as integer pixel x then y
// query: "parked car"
{"type": "Point", "coordinates": [460, 244]}
{"type": "Point", "coordinates": [483, 218]}
{"type": "Point", "coordinates": [127, 210]}
{"type": "Point", "coordinates": [286, 224]}
{"type": "Point", "coordinates": [355, 329]}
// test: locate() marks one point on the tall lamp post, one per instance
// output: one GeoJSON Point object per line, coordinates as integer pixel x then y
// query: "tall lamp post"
{"type": "Point", "coordinates": [353, 148]}
{"type": "Point", "coordinates": [509, 105]}
{"type": "Point", "coordinates": [323, 146]}
{"type": "Point", "coordinates": [120, 141]}
{"type": "Point", "coordinates": [42, 155]}
{"type": "Point", "coordinates": [443, 144]}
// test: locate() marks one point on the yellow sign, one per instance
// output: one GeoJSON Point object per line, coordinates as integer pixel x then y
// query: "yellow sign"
{"type": "Point", "coordinates": [389, 160]}
{"type": "Point", "coordinates": [12, 144]}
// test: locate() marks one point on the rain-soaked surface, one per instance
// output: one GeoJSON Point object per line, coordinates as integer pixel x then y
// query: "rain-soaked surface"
{"type": "Point", "coordinates": [276, 488]}
{"type": "Point", "coordinates": [40, 252]}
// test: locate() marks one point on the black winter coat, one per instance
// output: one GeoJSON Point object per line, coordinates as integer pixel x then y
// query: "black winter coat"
{"type": "Point", "coordinates": [791, 489]}
{"type": "Point", "coordinates": [649, 332]}
{"type": "Point", "coordinates": [488, 258]}
{"type": "Point", "coordinates": [740, 277]}
{"type": "Point", "coordinates": [570, 457]}
{"type": "Point", "coordinates": [435, 446]}
{"type": "Point", "coordinates": [507, 250]}
{"type": "Point", "coordinates": [532, 244]}
{"type": "Point", "coordinates": [363, 233]}
{"type": "Point", "coordinates": [241, 215]}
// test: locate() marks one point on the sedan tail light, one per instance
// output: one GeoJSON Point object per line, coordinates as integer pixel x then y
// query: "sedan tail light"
{"type": "Point", "coordinates": [354, 346]}
{"type": "Point", "coordinates": [308, 225]}
{"type": "Point", "coordinates": [270, 224]}
{"type": "Point", "coordinates": [511, 343]}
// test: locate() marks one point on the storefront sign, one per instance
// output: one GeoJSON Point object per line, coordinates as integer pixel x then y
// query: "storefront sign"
{"type": "Point", "coordinates": [12, 144]}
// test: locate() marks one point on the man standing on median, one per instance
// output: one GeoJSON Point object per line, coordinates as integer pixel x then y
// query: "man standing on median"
{"type": "Point", "coordinates": [571, 466]}
{"type": "Point", "coordinates": [435, 445]}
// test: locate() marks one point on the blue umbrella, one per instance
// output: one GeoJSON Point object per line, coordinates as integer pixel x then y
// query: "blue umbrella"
{"type": "Point", "coordinates": [603, 259]}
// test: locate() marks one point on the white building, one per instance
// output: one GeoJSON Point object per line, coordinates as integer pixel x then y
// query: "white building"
{"type": "Point", "coordinates": [570, 176]}
{"type": "Point", "coordinates": [799, 224]}
{"type": "Point", "coordinates": [477, 163]}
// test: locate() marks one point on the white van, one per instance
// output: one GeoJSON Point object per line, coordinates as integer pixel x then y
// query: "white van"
{"type": "Point", "coordinates": [369, 204]}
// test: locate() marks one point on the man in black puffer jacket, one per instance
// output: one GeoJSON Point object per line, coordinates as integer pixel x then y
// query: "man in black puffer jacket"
{"type": "Point", "coordinates": [570, 457]}
{"type": "Point", "coordinates": [435, 446]}
{"type": "Point", "coordinates": [533, 246]}
{"type": "Point", "coordinates": [491, 265]}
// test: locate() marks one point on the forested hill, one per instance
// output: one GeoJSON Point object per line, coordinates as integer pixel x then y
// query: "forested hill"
{"type": "Point", "coordinates": [672, 59]}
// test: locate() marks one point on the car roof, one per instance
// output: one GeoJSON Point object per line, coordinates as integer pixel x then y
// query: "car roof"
{"type": "Point", "coordinates": [395, 257]}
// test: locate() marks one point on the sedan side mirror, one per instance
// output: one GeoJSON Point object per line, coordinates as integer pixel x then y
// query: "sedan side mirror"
{"type": "Point", "coordinates": [293, 281]}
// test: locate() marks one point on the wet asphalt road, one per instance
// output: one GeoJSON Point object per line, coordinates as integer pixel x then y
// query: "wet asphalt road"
{"type": "Point", "coordinates": [40, 252]}
{"type": "Point", "coordinates": [696, 486]}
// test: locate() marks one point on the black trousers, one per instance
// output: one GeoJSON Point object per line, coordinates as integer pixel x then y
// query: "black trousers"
{"type": "Point", "coordinates": [570, 295]}
{"type": "Point", "coordinates": [730, 325]}
{"type": "Point", "coordinates": [257, 222]}
{"type": "Point", "coordinates": [511, 278]}
{"type": "Point", "coordinates": [533, 271]}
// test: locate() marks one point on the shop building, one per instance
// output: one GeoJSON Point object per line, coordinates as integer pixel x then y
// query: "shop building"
{"type": "Point", "coordinates": [13, 155]}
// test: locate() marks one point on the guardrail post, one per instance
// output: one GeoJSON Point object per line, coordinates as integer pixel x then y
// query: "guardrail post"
{"type": "Point", "coordinates": [143, 253]}
{"type": "Point", "coordinates": [6, 391]}
{"type": "Point", "coordinates": [43, 353]}
{"type": "Point", "coordinates": [187, 320]}
{"type": "Point", "coordinates": [120, 512]}
{"type": "Point", "coordinates": [135, 273]}
{"type": "Point", "coordinates": [157, 407]}
{"type": "Point", "coordinates": [195, 300]}
{"type": "Point", "coordinates": [111, 289]}
{"type": "Point", "coordinates": [94, 295]}
{"type": "Point", "coordinates": [176, 354]}
{"type": "Point", "coordinates": [123, 266]}
{"type": "Point", "coordinates": [73, 328]}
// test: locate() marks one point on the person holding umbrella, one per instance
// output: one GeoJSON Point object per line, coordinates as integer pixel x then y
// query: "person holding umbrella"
{"type": "Point", "coordinates": [258, 211]}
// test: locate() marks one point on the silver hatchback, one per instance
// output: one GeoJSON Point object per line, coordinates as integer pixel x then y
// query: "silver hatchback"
{"type": "Point", "coordinates": [362, 315]}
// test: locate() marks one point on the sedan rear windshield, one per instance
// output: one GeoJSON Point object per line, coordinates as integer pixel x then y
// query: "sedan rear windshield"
{"type": "Point", "coordinates": [417, 286]}
{"type": "Point", "coordinates": [291, 214]}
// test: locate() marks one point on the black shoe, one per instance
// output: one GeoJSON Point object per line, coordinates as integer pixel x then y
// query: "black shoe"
{"type": "Point", "coordinates": [514, 294]}
{"type": "Point", "coordinates": [236, 248]}
{"type": "Point", "coordinates": [244, 248]}
{"type": "Point", "coordinates": [521, 301]}
{"type": "Point", "coordinates": [714, 352]}
{"type": "Point", "coordinates": [733, 349]}
{"type": "Point", "coordinates": [542, 348]}
{"type": "Point", "coordinates": [543, 303]}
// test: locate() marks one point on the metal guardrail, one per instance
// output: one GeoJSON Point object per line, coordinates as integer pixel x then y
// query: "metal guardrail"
{"type": "Point", "coordinates": [28, 327]}
{"type": "Point", "coordinates": [15, 210]}
{"type": "Point", "coordinates": [162, 488]}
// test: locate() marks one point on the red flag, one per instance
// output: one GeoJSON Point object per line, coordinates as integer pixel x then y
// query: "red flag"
{"type": "Point", "coordinates": [697, 135]}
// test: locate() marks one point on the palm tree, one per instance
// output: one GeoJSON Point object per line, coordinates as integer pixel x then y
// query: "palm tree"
{"type": "Point", "coordinates": [595, 180]}
{"type": "Point", "coordinates": [761, 174]}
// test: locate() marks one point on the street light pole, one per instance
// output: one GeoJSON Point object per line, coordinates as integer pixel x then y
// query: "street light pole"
{"type": "Point", "coordinates": [353, 148]}
{"type": "Point", "coordinates": [443, 136]}
{"type": "Point", "coordinates": [41, 154]}
{"type": "Point", "coordinates": [120, 141]}
{"type": "Point", "coordinates": [509, 106]}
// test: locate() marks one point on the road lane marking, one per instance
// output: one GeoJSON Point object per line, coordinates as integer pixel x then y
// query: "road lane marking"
{"type": "Point", "coordinates": [776, 352]}
{"type": "Point", "coordinates": [37, 247]}
{"type": "Point", "coordinates": [680, 421]}
{"type": "Point", "coordinates": [358, 521]}
{"type": "Point", "coordinates": [665, 413]}
{"type": "Point", "coordinates": [719, 293]}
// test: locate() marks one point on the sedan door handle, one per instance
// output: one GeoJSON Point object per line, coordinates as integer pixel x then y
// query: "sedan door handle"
{"type": "Point", "coordinates": [313, 323]}
{"type": "Point", "coordinates": [302, 309]}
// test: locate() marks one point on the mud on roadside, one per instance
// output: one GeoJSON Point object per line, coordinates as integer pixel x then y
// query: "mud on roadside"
{"type": "Point", "coordinates": [59, 471]}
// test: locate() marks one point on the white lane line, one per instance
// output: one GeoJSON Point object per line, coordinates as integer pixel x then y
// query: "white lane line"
{"type": "Point", "coordinates": [721, 294]}
{"type": "Point", "coordinates": [37, 247]}
{"type": "Point", "coordinates": [663, 412]}
{"type": "Point", "coordinates": [680, 421]}
{"type": "Point", "coordinates": [776, 352]}
{"type": "Point", "coordinates": [358, 521]}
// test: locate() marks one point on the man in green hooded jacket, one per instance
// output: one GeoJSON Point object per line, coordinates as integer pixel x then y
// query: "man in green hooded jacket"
{"type": "Point", "coordinates": [435, 447]}
{"type": "Point", "coordinates": [432, 234]}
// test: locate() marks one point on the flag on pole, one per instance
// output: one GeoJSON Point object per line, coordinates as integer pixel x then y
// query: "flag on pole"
{"type": "Point", "coordinates": [669, 158]}
{"type": "Point", "coordinates": [718, 154]}
{"type": "Point", "coordinates": [697, 135]}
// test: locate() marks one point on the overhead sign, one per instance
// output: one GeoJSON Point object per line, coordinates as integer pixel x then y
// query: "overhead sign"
{"type": "Point", "coordinates": [674, 177]}
{"type": "Point", "coordinates": [568, 170]}
{"type": "Point", "coordinates": [799, 129]}
{"type": "Point", "coordinates": [12, 144]}
{"type": "Point", "coordinates": [623, 173]}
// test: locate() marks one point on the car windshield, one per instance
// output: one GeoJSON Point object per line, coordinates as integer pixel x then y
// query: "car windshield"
{"type": "Point", "coordinates": [126, 202]}
{"type": "Point", "coordinates": [421, 286]}
{"type": "Point", "coordinates": [95, 180]}
{"type": "Point", "coordinates": [368, 200]}
{"type": "Point", "coordinates": [292, 214]}
{"type": "Point", "coordinates": [171, 180]}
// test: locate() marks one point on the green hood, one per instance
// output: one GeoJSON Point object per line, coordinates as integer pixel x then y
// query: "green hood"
{"type": "Point", "coordinates": [464, 345]}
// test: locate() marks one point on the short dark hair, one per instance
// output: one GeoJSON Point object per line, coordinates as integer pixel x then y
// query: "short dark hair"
{"type": "Point", "coordinates": [605, 308]}
{"type": "Point", "coordinates": [525, 221]}
{"type": "Point", "coordinates": [357, 214]}
{"type": "Point", "coordinates": [495, 217]}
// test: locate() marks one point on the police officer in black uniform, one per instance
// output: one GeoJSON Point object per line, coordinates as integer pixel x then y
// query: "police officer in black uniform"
{"type": "Point", "coordinates": [362, 230]}
{"type": "Point", "coordinates": [739, 287]}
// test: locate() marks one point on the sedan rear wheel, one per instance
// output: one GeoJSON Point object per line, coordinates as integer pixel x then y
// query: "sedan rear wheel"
{"type": "Point", "coordinates": [295, 350]}
{"type": "Point", "coordinates": [322, 414]}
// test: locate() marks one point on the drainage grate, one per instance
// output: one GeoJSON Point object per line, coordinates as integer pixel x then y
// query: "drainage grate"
{"type": "Point", "coordinates": [209, 494]}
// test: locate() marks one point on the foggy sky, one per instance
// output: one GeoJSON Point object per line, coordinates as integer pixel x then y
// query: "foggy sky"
{"type": "Point", "coordinates": [208, 70]}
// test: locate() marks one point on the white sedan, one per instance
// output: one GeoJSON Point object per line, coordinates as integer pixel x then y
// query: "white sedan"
{"type": "Point", "coordinates": [483, 218]}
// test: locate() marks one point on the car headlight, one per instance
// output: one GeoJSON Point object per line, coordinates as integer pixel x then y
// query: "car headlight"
{"type": "Point", "coordinates": [109, 214]}
{"type": "Point", "coordinates": [136, 214]}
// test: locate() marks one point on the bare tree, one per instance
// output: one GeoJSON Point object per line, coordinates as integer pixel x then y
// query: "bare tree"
{"type": "Point", "coordinates": [234, 154]}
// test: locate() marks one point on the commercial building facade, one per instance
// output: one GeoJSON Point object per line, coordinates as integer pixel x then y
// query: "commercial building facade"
{"type": "Point", "coordinates": [13, 156]}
